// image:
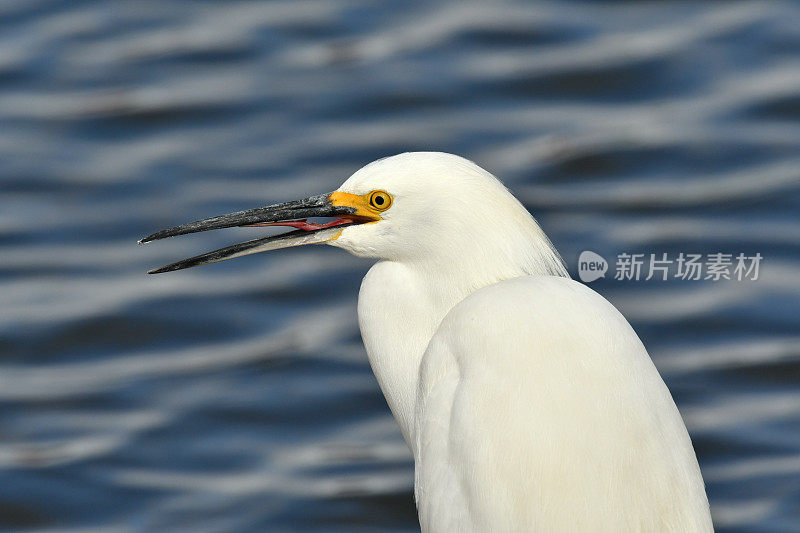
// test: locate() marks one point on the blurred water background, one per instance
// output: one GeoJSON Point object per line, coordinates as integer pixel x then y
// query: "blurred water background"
{"type": "Point", "coordinates": [237, 396]}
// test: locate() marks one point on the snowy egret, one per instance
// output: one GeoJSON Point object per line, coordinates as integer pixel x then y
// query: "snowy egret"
{"type": "Point", "coordinates": [528, 401]}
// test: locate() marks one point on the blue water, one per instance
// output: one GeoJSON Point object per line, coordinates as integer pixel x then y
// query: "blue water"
{"type": "Point", "coordinates": [237, 396]}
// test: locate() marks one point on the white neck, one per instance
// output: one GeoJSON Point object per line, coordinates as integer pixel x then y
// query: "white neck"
{"type": "Point", "coordinates": [398, 312]}
{"type": "Point", "coordinates": [401, 304]}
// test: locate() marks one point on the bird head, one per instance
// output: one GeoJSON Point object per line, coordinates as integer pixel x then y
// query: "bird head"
{"type": "Point", "coordinates": [414, 207]}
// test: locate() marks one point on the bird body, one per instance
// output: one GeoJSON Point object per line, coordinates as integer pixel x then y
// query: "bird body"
{"type": "Point", "coordinates": [527, 400]}
{"type": "Point", "coordinates": [536, 398]}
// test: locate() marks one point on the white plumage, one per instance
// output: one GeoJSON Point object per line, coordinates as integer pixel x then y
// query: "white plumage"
{"type": "Point", "coordinates": [527, 399]}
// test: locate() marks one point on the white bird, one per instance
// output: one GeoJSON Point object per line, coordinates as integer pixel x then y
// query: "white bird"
{"type": "Point", "coordinates": [528, 401]}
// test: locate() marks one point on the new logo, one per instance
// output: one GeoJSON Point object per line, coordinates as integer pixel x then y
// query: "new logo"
{"type": "Point", "coordinates": [591, 266]}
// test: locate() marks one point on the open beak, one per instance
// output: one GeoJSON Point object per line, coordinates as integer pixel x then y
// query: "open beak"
{"type": "Point", "coordinates": [346, 210]}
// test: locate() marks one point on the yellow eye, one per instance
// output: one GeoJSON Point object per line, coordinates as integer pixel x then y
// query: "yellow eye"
{"type": "Point", "coordinates": [380, 200]}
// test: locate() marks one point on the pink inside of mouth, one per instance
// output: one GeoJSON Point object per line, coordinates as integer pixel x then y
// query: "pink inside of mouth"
{"type": "Point", "coordinates": [303, 224]}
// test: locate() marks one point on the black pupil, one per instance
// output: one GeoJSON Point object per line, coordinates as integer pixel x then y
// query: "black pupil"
{"type": "Point", "coordinates": [378, 200]}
